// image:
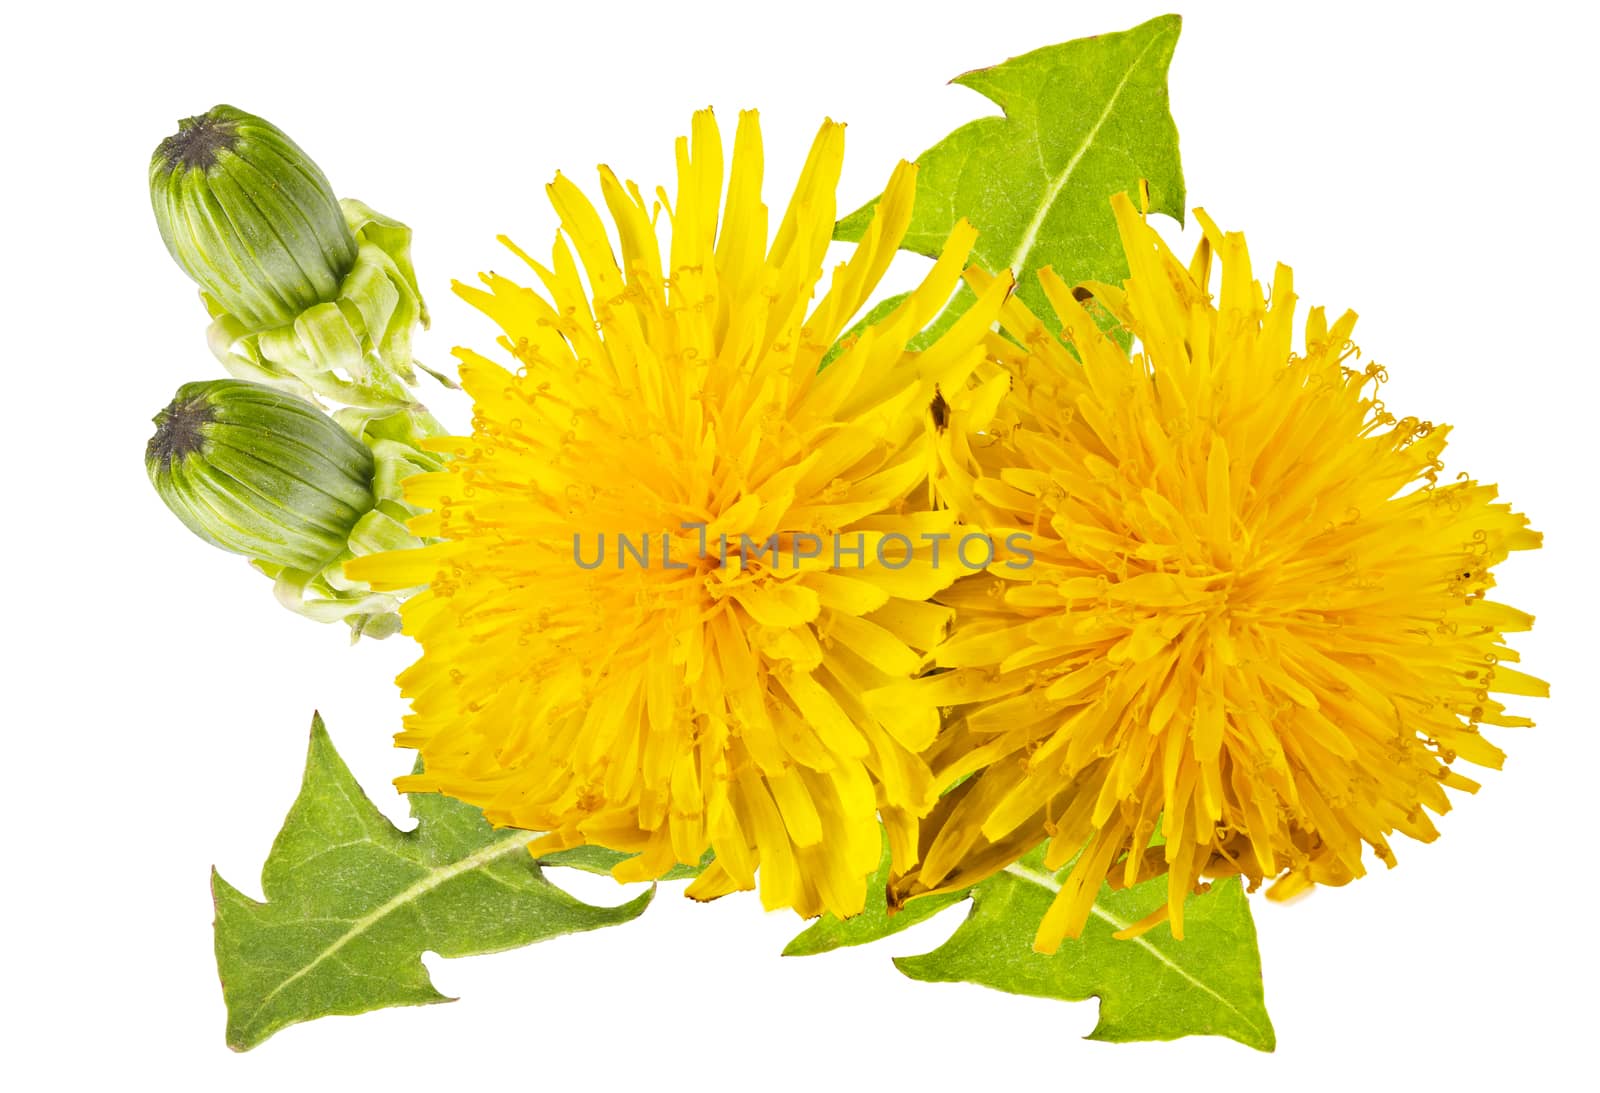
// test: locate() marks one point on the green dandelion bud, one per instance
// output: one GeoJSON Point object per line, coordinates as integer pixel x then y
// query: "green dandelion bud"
{"type": "Point", "coordinates": [249, 217]}
{"type": "Point", "coordinates": [306, 292]}
{"type": "Point", "coordinates": [266, 474]}
{"type": "Point", "coordinates": [261, 473]}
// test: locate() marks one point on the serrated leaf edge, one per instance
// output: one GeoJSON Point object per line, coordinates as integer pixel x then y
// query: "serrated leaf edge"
{"type": "Point", "coordinates": [1050, 884]}
{"type": "Point", "coordinates": [419, 888]}
{"type": "Point", "coordinates": [1025, 246]}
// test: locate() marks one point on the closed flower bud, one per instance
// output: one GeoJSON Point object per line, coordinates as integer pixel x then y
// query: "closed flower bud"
{"type": "Point", "coordinates": [261, 473]}
{"type": "Point", "coordinates": [249, 217]}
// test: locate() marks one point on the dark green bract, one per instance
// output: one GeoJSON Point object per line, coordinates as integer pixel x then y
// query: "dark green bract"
{"type": "Point", "coordinates": [249, 217]}
{"type": "Point", "coordinates": [259, 472]}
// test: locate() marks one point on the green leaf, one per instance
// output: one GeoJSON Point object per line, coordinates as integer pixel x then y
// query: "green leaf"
{"type": "Point", "coordinates": [829, 933]}
{"type": "Point", "coordinates": [1150, 988]}
{"type": "Point", "coordinates": [1082, 120]}
{"type": "Point", "coordinates": [353, 902]}
{"type": "Point", "coordinates": [600, 859]}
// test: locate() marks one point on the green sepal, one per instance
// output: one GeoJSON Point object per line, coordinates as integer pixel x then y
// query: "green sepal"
{"type": "Point", "coordinates": [326, 594]}
{"type": "Point", "coordinates": [354, 349]}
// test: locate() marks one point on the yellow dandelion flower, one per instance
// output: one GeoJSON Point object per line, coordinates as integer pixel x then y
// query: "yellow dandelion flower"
{"type": "Point", "coordinates": [1257, 621]}
{"type": "Point", "coordinates": [663, 591]}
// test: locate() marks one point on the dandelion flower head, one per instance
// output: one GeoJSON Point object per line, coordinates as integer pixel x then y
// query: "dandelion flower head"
{"type": "Point", "coordinates": [708, 685]}
{"type": "Point", "coordinates": [1259, 632]}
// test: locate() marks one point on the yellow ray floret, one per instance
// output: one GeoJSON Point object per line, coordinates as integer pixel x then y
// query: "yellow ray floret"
{"type": "Point", "coordinates": [1257, 623]}
{"type": "Point", "coordinates": [658, 606]}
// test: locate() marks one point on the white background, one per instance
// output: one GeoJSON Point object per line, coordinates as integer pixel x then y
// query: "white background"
{"type": "Point", "coordinates": [1432, 168]}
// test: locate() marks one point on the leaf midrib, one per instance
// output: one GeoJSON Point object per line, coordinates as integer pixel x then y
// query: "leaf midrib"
{"type": "Point", "coordinates": [1031, 235]}
{"type": "Point", "coordinates": [415, 891]}
{"type": "Point", "coordinates": [1050, 884]}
